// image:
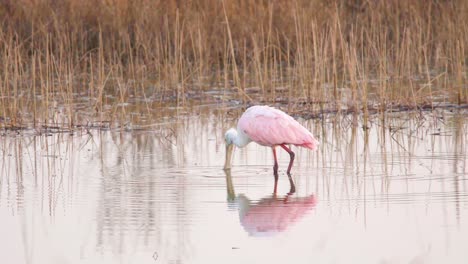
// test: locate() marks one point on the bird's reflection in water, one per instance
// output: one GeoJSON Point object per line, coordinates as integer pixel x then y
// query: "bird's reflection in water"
{"type": "Point", "coordinates": [269, 215]}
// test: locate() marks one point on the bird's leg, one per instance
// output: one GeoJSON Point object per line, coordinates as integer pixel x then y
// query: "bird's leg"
{"type": "Point", "coordinates": [291, 155]}
{"type": "Point", "coordinates": [275, 169]}
{"type": "Point", "coordinates": [291, 184]}
{"type": "Point", "coordinates": [276, 182]}
{"type": "Point", "coordinates": [275, 166]}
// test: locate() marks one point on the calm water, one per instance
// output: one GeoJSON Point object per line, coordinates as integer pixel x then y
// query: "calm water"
{"type": "Point", "coordinates": [395, 192]}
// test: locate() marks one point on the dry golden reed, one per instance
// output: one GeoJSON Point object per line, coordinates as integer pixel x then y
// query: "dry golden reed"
{"type": "Point", "coordinates": [70, 62]}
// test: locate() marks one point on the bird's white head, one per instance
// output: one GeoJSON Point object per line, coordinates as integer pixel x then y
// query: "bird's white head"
{"type": "Point", "coordinates": [230, 137]}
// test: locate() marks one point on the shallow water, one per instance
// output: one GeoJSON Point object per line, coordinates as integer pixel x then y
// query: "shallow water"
{"type": "Point", "coordinates": [391, 191]}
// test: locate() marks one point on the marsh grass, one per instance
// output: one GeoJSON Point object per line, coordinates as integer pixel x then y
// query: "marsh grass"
{"type": "Point", "coordinates": [74, 63]}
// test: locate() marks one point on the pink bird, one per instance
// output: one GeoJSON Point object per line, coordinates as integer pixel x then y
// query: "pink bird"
{"type": "Point", "coordinates": [269, 127]}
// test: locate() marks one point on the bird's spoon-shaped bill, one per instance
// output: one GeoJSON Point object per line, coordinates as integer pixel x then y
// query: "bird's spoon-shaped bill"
{"type": "Point", "coordinates": [229, 151]}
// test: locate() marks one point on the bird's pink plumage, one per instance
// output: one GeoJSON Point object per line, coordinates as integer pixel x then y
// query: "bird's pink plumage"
{"type": "Point", "coordinates": [269, 126]}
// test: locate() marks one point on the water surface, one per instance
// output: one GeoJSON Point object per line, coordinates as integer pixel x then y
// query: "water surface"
{"type": "Point", "coordinates": [388, 189]}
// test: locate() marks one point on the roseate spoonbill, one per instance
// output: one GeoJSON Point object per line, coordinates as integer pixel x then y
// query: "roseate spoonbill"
{"type": "Point", "coordinates": [269, 127]}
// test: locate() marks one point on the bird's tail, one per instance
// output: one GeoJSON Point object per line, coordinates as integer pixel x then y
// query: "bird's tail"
{"type": "Point", "coordinates": [312, 145]}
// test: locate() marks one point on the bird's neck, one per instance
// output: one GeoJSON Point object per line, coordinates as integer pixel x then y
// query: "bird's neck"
{"type": "Point", "coordinates": [241, 139]}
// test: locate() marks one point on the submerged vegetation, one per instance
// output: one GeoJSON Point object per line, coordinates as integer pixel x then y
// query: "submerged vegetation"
{"type": "Point", "coordinates": [72, 63]}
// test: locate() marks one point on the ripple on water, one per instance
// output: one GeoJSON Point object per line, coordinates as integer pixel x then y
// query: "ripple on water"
{"type": "Point", "coordinates": [116, 196]}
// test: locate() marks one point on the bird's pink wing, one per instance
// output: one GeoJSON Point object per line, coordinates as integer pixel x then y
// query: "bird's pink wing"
{"type": "Point", "coordinates": [271, 127]}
